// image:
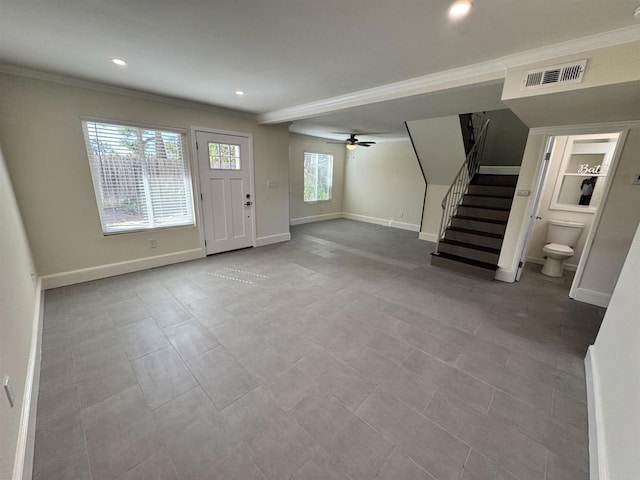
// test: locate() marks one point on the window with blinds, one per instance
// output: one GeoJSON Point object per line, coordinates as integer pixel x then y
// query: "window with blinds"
{"type": "Point", "coordinates": [140, 176]}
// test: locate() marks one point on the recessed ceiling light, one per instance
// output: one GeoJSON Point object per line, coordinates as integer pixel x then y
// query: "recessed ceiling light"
{"type": "Point", "coordinates": [459, 9]}
{"type": "Point", "coordinates": [119, 62]}
{"type": "Point", "coordinates": [239, 93]}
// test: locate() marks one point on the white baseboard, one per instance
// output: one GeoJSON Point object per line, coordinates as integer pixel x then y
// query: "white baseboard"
{"type": "Point", "coordinates": [594, 298]}
{"type": "Point", "coordinates": [500, 169]}
{"type": "Point", "coordinates": [382, 221]}
{"type": "Point", "coordinates": [412, 227]}
{"type": "Point", "coordinates": [565, 266]}
{"type": "Point", "coordinates": [103, 271]}
{"type": "Point", "coordinates": [597, 452]}
{"type": "Point", "coordinates": [23, 462]}
{"type": "Point", "coordinates": [364, 218]}
{"type": "Point", "coordinates": [315, 218]}
{"type": "Point", "coordinates": [269, 239]}
{"type": "Point", "coordinates": [428, 237]}
{"type": "Point", "coordinates": [504, 275]}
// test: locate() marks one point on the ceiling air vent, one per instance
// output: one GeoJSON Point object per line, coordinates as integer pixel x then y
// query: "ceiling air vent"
{"type": "Point", "coordinates": [554, 75]}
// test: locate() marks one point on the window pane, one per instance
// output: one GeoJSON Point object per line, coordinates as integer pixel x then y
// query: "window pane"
{"type": "Point", "coordinates": [140, 176]}
{"type": "Point", "coordinates": [318, 176]}
{"type": "Point", "coordinates": [223, 156]}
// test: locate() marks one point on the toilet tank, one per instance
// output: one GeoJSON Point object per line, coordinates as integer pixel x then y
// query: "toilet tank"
{"type": "Point", "coordinates": [564, 232]}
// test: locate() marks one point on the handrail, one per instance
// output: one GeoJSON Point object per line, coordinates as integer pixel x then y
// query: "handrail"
{"type": "Point", "coordinates": [461, 182]}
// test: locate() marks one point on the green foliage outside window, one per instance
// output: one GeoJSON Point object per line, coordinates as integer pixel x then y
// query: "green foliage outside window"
{"type": "Point", "coordinates": [318, 177]}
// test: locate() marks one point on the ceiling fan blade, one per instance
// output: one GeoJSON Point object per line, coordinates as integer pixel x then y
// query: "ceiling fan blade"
{"type": "Point", "coordinates": [363, 145]}
{"type": "Point", "coordinates": [366, 144]}
{"type": "Point", "coordinates": [357, 134]}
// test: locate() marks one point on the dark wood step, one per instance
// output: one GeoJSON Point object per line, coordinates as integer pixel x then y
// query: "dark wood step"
{"type": "Point", "coordinates": [488, 226]}
{"type": "Point", "coordinates": [498, 180]}
{"type": "Point", "coordinates": [482, 213]}
{"type": "Point", "coordinates": [498, 203]}
{"type": "Point", "coordinates": [474, 237]}
{"type": "Point", "coordinates": [463, 265]}
{"type": "Point", "coordinates": [493, 190]}
{"type": "Point", "coordinates": [467, 250]}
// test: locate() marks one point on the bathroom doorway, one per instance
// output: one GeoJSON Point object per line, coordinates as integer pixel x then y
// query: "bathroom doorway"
{"type": "Point", "coordinates": [572, 186]}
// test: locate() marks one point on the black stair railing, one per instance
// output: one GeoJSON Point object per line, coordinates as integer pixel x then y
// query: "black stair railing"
{"type": "Point", "coordinates": [458, 188]}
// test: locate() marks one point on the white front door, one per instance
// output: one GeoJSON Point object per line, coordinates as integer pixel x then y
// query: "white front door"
{"type": "Point", "coordinates": [225, 165]}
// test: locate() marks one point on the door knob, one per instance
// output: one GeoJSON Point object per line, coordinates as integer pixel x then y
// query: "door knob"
{"type": "Point", "coordinates": [248, 204]}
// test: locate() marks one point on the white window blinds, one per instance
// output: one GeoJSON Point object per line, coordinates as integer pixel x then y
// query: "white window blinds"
{"type": "Point", "coordinates": [140, 176]}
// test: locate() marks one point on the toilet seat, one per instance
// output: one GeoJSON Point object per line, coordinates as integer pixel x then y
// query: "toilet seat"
{"type": "Point", "coordinates": [557, 248]}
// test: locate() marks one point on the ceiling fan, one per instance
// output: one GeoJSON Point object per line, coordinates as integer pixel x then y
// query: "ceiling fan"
{"type": "Point", "coordinates": [352, 142]}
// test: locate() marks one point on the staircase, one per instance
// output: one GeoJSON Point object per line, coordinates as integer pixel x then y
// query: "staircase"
{"type": "Point", "coordinates": [473, 238]}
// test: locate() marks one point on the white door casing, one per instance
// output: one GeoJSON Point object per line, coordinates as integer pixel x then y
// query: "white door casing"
{"type": "Point", "coordinates": [225, 167]}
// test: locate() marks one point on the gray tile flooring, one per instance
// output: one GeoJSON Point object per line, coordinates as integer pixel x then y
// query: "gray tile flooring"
{"type": "Point", "coordinates": [341, 354]}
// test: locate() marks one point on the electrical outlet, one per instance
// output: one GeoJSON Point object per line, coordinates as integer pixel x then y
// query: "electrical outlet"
{"type": "Point", "coordinates": [400, 214]}
{"type": "Point", "coordinates": [8, 390]}
{"type": "Point", "coordinates": [153, 243]}
{"type": "Point", "coordinates": [523, 193]}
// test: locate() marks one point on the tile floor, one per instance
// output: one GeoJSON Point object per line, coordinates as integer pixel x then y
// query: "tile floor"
{"type": "Point", "coordinates": [338, 355]}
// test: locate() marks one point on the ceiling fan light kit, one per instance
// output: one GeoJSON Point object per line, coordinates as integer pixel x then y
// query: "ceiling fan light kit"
{"type": "Point", "coordinates": [352, 142]}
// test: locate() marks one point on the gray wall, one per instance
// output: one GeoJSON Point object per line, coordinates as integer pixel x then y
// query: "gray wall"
{"type": "Point", "coordinates": [438, 142]}
{"type": "Point", "coordinates": [44, 148]}
{"type": "Point", "coordinates": [384, 185]}
{"type": "Point", "coordinates": [506, 139]}
{"type": "Point", "coordinates": [18, 300]}
{"type": "Point", "coordinates": [618, 223]}
{"type": "Point", "coordinates": [301, 212]}
{"type": "Point", "coordinates": [615, 360]}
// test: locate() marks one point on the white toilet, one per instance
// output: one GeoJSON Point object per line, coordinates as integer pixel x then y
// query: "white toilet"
{"type": "Point", "coordinates": [561, 237]}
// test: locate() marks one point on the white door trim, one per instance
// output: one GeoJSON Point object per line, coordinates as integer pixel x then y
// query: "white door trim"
{"type": "Point", "coordinates": [567, 130]}
{"type": "Point", "coordinates": [196, 178]}
{"type": "Point", "coordinates": [532, 212]}
{"type": "Point", "coordinates": [622, 138]}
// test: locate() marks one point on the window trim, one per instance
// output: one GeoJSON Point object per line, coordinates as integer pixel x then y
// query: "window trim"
{"type": "Point", "coordinates": [187, 163]}
{"type": "Point", "coordinates": [330, 199]}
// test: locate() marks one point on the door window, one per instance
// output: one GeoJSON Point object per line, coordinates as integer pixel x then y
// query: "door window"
{"type": "Point", "coordinates": [224, 156]}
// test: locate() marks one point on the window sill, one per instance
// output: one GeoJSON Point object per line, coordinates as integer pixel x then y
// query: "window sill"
{"type": "Point", "coordinates": [145, 230]}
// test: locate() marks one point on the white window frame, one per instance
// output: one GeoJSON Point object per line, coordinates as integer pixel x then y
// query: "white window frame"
{"type": "Point", "coordinates": [304, 185]}
{"type": "Point", "coordinates": [607, 150]}
{"type": "Point", "coordinates": [187, 179]}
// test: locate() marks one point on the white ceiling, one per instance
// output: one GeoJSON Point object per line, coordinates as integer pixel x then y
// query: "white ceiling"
{"type": "Point", "coordinates": [285, 53]}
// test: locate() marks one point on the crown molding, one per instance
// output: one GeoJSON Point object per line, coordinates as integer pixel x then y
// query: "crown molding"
{"type": "Point", "coordinates": [128, 92]}
{"type": "Point", "coordinates": [607, 127]}
{"type": "Point", "coordinates": [483, 72]}
{"type": "Point", "coordinates": [487, 72]}
{"type": "Point", "coordinates": [571, 47]}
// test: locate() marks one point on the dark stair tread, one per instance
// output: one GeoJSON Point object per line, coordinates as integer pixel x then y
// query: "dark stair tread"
{"type": "Point", "coordinates": [511, 180]}
{"type": "Point", "coordinates": [475, 232]}
{"type": "Point", "coordinates": [485, 207]}
{"type": "Point", "coordinates": [470, 246]}
{"type": "Point", "coordinates": [468, 261]}
{"type": "Point", "coordinates": [476, 219]}
{"type": "Point", "coordinates": [488, 196]}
